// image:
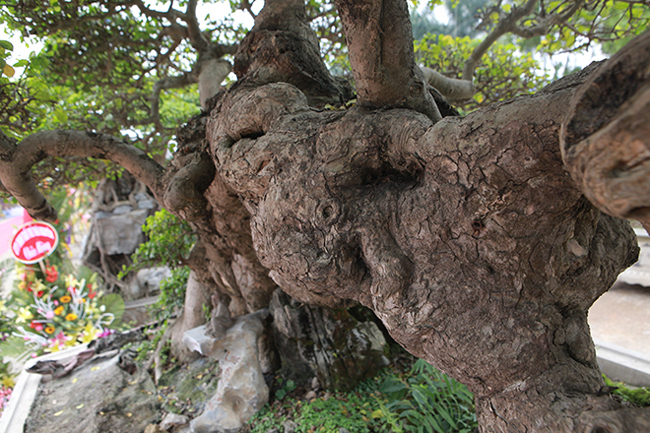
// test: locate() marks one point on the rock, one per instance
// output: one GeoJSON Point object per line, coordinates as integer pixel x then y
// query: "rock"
{"type": "Point", "coordinates": [97, 397]}
{"type": "Point", "coordinates": [141, 196]}
{"type": "Point", "coordinates": [101, 215]}
{"type": "Point", "coordinates": [173, 420]}
{"type": "Point", "coordinates": [273, 430]}
{"type": "Point", "coordinates": [147, 282]}
{"type": "Point", "coordinates": [153, 428]}
{"type": "Point", "coordinates": [329, 344]}
{"type": "Point", "coordinates": [310, 395]}
{"type": "Point", "coordinates": [147, 204]}
{"type": "Point", "coordinates": [315, 384]}
{"type": "Point", "coordinates": [241, 391]}
{"type": "Point", "coordinates": [118, 234]}
{"type": "Point", "coordinates": [121, 210]}
{"type": "Point", "coordinates": [289, 426]}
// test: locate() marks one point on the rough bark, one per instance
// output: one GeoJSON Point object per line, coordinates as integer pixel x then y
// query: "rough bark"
{"type": "Point", "coordinates": [425, 222]}
{"type": "Point", "coordinates": [606, 134]}
{"type": "Point", "coordinates": [380, 45]}
{"type": "Point", "coordinates": [466, 237]}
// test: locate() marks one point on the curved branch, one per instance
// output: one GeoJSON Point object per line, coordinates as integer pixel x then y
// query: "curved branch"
{"type": "Point", "coordinates": [504, 26]}
{"type": "Point", "coordinates": [196, 37]}
{"type": "Point", "coordinates": [168, 83]}
{"type": "Point", "coordinates": [171, 14]}
{"type": "Point", "coordinates": [605, 138]}
{"type": "Point", "coordinates": [452, 89]}
{"type": "Point", "coordinates": [544, 25]}
{"type": "Point", "coordinates": [17, 160]}
{"type": "Point", "coordinates": [380, 43]}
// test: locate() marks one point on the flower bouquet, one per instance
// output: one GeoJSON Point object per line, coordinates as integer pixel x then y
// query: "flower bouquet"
{"type": "Point", "coordinates": [60, 311]}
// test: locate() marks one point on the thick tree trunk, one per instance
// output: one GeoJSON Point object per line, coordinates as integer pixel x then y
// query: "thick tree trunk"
{"type": "Point", "coordinates": [466, 237]}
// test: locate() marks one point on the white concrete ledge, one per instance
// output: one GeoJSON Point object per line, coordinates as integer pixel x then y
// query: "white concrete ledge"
{"type": "Point", "coordinates": [622, 364]}
{"type": "Point", "coordinates": [23, 395]}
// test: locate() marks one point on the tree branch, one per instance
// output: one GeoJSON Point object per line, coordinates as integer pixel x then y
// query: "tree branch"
{"type": "Point", "coordinates": [544, 25]}
{"type": "Point", "coordinates": [17, 160]}
{"type": "Point", "coordinates": [506, 25]}
{"type": "Point", "coordinates": [605, 138]}
{"type": "Point", "coordinates": [194, 30]}
{"type": "Point", "coordinates": [171, 14]}
{"type": "Point", "coordinates": [380, 43]}
{"type": "Point", "coordinates": [168, 83]}
{"type": "Point", "coordinates": [452, 89]}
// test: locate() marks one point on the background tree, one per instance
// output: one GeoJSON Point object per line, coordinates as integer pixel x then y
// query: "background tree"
{"type": "Point", "coordinates": [556, 26]}
{"type": "Point", "coordinates": [422, 219]}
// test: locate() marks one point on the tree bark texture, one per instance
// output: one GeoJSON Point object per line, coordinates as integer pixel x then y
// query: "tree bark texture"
{"type": "Point", "coordinates": [467, 236]}
{"type": "Point", "coordinates": [606, 134]}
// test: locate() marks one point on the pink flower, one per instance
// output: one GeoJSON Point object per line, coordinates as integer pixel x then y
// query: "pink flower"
{"type": "Point", "coordinates": [38, 327]}
{"type": "Point", "coordinates": [49, 314]}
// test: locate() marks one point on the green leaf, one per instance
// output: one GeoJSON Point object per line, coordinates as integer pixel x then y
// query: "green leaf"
{"type": "Point", "coordinates": [8, 71]}
{"type": "Point", "coordinates": [60, 115]}
{"type": "Point", "coordinates": [6, 45]}
{"type": "Point", "coordinates": [445, 414]}
{"type": "Point", "coordinates": [115, 305]}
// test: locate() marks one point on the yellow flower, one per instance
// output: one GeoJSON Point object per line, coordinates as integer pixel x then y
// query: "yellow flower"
{"type": "Point", "coordinates": [53, 348]}
{"type": "Point", "coordinates": [88, 333]}
{"type": "Point", "coordinates": [58, 310]}
{"type": "Point", "coordinates": [38, 286]}
{"type": "Point", "coordinates": [71, 281]}
{"type": "Point", "coordinates": [24, 315]}
{"type": "Point", "coordinates": [70, 317]}
{"type": "Point", "coordinates": [65, 299]}
{"type": "Point", "coordinates": [7, 382]}
{"type": "Point", "coordinates": [50, 329]}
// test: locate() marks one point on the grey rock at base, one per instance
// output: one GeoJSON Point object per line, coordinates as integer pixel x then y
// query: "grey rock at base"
{"type": "Point", "coordinates": [142, 196]}
{"type": "Point", "coordinates": [121, 210]}
{"type": "Point", "coordinates": [147, 282]}
{"type": "Point", "coordinates": [101, 215]}
{"type": "Point", "coordinates": [241, 391]}
{"type": "Point", "coordinates": [98, 397]}
{"type": "Point", "coordinates": [147, 204]}
{"type": "Point", "coordinates": [173, 420]}
{"type": "Point", "coordinates": [329, 344]}
{"type": "Point", "coordinates": [118, 234]}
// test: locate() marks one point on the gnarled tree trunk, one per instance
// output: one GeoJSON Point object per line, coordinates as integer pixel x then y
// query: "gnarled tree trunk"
{"type": "Point", "coordinates": [467, 236]}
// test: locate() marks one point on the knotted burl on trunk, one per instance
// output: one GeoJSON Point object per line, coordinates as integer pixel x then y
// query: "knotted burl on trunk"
{"type": "Point", "coordinates": [466, 237]}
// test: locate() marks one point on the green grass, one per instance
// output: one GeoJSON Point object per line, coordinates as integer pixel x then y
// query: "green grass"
{"type": "Point", "coordinates": [637, 396]}
{"type": "Point", "coordinates": [422, 400]}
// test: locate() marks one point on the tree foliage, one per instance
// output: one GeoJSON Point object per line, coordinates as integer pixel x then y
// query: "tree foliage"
{"type": "Point", "coordinates": [503, 72]}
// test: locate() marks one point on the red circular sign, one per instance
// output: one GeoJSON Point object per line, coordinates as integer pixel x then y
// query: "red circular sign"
{"type": "Point", "coordinates": [34, 241]}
